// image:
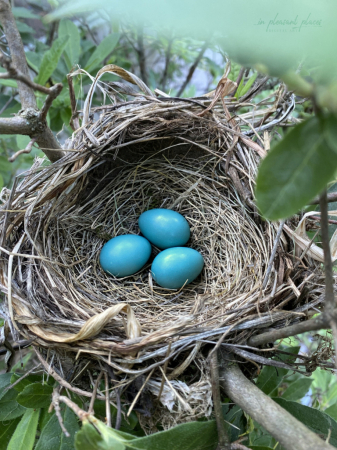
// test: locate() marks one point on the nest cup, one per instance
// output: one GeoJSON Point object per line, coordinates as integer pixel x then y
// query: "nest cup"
{"type": "Point", "coordinates": [127, 158]}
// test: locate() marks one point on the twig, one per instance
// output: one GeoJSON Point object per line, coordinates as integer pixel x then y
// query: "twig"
{"type": "Point", "coordinates": [317, 323]}
{"type": "Point", "coordinates": [163, 80]}
{"type": "Point", "coordinates": [19, 344]}
{"type": "Point", "coordinates": [329, 281]}
{"type": "Point", "coordinates": [63, 382]}
{"type": "Point", "coordinates": [273, 253]}
{"type": "Point", "coordinates": [318, 218]}
{"type": "Point", "coordinates": [236, 446]}
{"type": "Point", "coordinates": [292, 435]}
{"type": "Point", "coordinates": [56, 405]}
{"type": "Point", "coordinates": [53, 93]}
{"type": "Point", "coordinates": [141, 54]}
{"type": "Point", "coordinates": [238, 80]}
{"type": "Point", "coordinates": [28, 149]}
{"type": "Point", "coordinates": [74, 121]}
{"type": "Point", "coordinates": [165, 368]}
{"type": "Point", "coordinates": [93, 398]}
{"type": "Point", "coordinates": [139, 392]}
{"type": "Point", "coordinates": [107, 400]}
{"type": "Point", "coordinates": [15, 74]}
{"type": "Point", "coordinates": [223, 439]}
{"type": "Point", "coordinates": [305, 251]}
{"type": "Point", "coordinates": [23, 377]}
{"type": "Point", "coordinates": [332, 197]}
{"type": "Point", "coordinates": [192, 68]}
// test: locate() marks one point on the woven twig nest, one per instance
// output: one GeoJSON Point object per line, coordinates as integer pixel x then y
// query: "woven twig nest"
{"type": "Point", "coordinates": [127, 158]}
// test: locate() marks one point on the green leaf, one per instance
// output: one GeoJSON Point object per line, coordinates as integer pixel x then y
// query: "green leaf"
{"type": "Point", "coordinates": [35, 395]}
{"type": "Point", "coordinates": [50, 59]}
{"type": "Point", "coordinates": [296, 169]}
{"type": "Point", "coordinates": [9, 83]}
{"type": "Point", "coordinates": [187, 436]}
{"type": "Point", "coordinates": [244, 89]}
{"type": "Point", "coordinates": [102, 51]}
{"type": "Point", "coordinates": [24, 435]}
{"type": "Point", "coordinates": [24, 28]}
{"type": "Point", "coordinates": [24, 13]}
{"type": "Point", "coordinates": [53, 438]}
{"type": "Point", "coordinates": [72, 50]}
{"type": "Point", "coordinates": [6, 431]}
{"type": "Point", "coordinates": [317, 421]}
{"type": "Point", "coordinates": [9, 407]}
{"type": "Point", "coordinates": [88, 438]}
{"type": "Point", "coordinates": [1, 181]}
{"type": "Point", "coordinates": [34, 59]}
{"type": "Point", "coordinates": [26, 381]}
{"type": "Point", "coordinates": [258, 447]}
{"type": "Point", "coordinates": [271, 377]}
{"type": "Point", "coordinates": [332, 411]}
{"type": "Point", "coordinates": [297, 389]}
{"type": "Point", "coordinates": [44, 418]}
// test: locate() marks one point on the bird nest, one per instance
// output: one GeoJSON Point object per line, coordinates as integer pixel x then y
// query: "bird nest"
{"type": "Point", "coordinates": [152, 151]}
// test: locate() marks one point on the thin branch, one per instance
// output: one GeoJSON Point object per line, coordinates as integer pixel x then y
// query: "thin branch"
{"type": "Point", "coordinates": [192, 68]}
{"type": "Point", "coordinates": [332, 197]}
{"type": "Point", "coordinates": [92, 401]}
{"type": "Point", "coordinates": [28, 149]}
{"type": "Point", "coordinates": [53, 93]}
{"type": "Point", "coordinates": [330, 301]}
{"type": "Point", "coordinates": [238, 80]}
{"type": "Point", "coordinates": [284, 427]}
{"type": "Point", "coordinates": [273, 253]}
{"type": "Point", "coordinates": [141, 55]}
{"type": "Point", "coordinates": [56, 404]}
{"type": "Point", "coordinates": [74, 121]}
{"type": "Point", "coordinates": [163, 80]}
{"type": "Point", "coordinates": [223, 439]}
{"type": "Point", "coordinates": [318, 323]}
{"type": "Point", "coordinates": [107, 400]}
{"type": "Point", "coordinates": [22, 377]}
{"type": "Point", "coordinates": [18, 56]}
{"type": "Point", "coordinates": [63, 382]}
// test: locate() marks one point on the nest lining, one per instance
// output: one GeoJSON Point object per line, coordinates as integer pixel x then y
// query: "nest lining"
{"type": "Point", "coordinates": [133, 157]}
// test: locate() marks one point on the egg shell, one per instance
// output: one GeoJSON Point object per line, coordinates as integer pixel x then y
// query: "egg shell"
{"type": "Point", "coordinates": [175, 267]}
{"type": "Point", "coordinates": [124, 255]}
{"type": "Point", "coordinates": [164, 228]}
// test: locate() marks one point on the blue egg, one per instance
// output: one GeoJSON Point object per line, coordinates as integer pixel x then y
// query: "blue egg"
{"type": "Point", "coordinates": [164, 228]}
{"type": "Point", "coordinates": [124, 255]}
{"type": "Point", "coordinates": [176, 267]}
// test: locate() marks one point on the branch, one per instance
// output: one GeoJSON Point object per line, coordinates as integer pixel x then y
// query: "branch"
{"type": "Point", "coordinates": [330, 198]}
{"type": "Point", "coordinates": [223, 439]}
{"type": "Point", "coordinates": [35, 124]}
{"type": "Point", "coordinates": [28, 149]}
{"type": "Point", "coordinates": [141, 55]}
{"type": "Point", "coordinates": [192, 68]}
{"type": "Point", "coordinates": [290, 432]}
{"type": "Point", "coordinates": [15, 45]}
{"type": "Point", "coordinates": [319, 323]}
{"type": "Point", "coordinates": [329, 280]}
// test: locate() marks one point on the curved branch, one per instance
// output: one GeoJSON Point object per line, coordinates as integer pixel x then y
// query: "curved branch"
{"type": "Point", "coordinates": [284, 427]}
{"type": "Point", "coordinates": [18, 56]}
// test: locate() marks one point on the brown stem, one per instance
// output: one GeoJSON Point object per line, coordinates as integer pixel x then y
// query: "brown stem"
{"type": "Point", "coordinates": [290, 432]}
{"type": "Point", "coordinates": [223, 439]}
{"type": "Point", "coordinates": [27, 96]}
{"type": "Point", "coordinates": [192, 68]}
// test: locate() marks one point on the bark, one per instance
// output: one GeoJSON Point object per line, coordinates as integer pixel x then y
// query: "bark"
{"type": "Point", "coordinates": [287, 430]}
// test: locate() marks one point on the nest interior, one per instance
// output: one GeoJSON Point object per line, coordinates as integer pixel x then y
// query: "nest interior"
{"type": "Point", "coordinates": [130, 157]}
